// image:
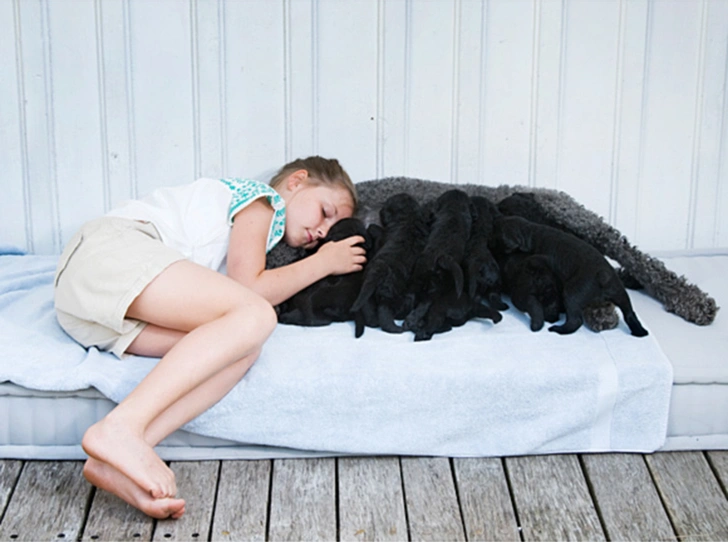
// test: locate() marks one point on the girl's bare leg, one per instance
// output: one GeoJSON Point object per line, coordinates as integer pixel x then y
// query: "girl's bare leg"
{"type": "Point", "coordinates": [156, 341]}
{"type": "Point", "coordinates": [225, 323]}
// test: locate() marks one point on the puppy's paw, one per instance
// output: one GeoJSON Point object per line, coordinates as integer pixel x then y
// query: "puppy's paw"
{"type": "Point", "coordinates": [562, 329]}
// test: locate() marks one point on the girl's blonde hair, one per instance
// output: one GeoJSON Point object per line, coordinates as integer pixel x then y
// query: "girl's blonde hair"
{"type": "Point", "coordinates": [324, 171]}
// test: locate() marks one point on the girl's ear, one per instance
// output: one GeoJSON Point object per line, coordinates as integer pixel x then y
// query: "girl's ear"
{"type": "Point", "coordinates": [296, 179]}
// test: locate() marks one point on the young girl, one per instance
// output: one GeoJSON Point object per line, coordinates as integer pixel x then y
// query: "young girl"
{"type": "Point", "coordinates": [144, 279]}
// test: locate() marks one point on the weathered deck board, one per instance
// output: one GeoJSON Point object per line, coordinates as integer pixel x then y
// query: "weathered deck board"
{"type": "Point", "coordinates": [371, 503]}
{"type": "Point", "coordinates": [388, 498]}
{"type": "Point", "coordinates": [110, 518]}
{"type": "Point", "coordinates": [49, 502]}
{"type": "Point", "coordinates": [432, 506]}
{"type": "Point", "coordinates": [552, 498]}
{"type": "Point", "coordinates": [692, 495]}
{"type": "Point", "coordinates": [719, 461]}
{"type": "Point", "coordinates": [197, 481]}
{"type": "Point", "coordinates": [485, 500]}
{"type": "Point", "coordinates": [303, 500]}
{"type": "Point", "coordinates": [626, 498]}
{"type": "Point", "coordinates": [9, 473]}
{"type": "Point", "coordinates": [242, 501]}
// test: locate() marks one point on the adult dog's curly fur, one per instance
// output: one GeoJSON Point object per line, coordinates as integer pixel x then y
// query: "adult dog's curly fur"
{"type": "Point", "coordinates": [674, 292]}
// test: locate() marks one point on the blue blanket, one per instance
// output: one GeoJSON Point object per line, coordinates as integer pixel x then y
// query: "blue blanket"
{"type": "Point", "coordinates": [479, 390]}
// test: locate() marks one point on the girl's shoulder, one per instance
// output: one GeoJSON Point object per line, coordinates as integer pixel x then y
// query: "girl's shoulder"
{"type": "Point", "coordinates": [245, 191]}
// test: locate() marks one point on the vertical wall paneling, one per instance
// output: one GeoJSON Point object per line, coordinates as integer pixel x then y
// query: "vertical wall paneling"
{"type": "Point", "coordinates": [208, 85]}
{"type": "Point", "coordinates": [395, 81]}
{"type": "Point", "coordinates": [533, 110]}
{"type": "Point", "coordinates": [430, 90]}
{"type": "Point", "coordinates": [720, 238]}
{"type": "Point", "coordinates": [195, 87]}
{"type": "Point", "coordinates": [76, 114]}
{"type": "Point", "coordinates": [116, 100]}
{"type": "Point", "coordinates": [630, 96]}
{"type": "Point", "coordinates": [697, 122]}
{"type": "Point", "coordinates": [669, 124]}
{"type": "Point", "coordinates": [507, 118]}
{"type": "Point", "coordinates": [287, 79]}
{"type": "Point", "coordinates": [586, 137]}
{"type": "Point", "coordinates": [102, 110]}
{"type": "Point", "coordinates": [379, 113]}
{"type": "Point", "coordinates": [709, 125]}
{"type": "Point", "coordinates": [347, 59]}
{"type": "Point", "coordinates": [301, 77]}
{"type": "Point", "coordinates": [162, 89]}
{"type": "Point", "coordinates": [546, 91]}
{"type": "Point", "coordinates": [13, 139]}
{"type": "Point", "coordinates": [262, 125]}
{"type": "Point", "coordinates": [455, 97]}
{"type": "Point", "coordinates": [40, 172]}
{"type": "Point", "coordinates": [467, 104]}
{"type": "Point", "coordinates": [620, 103]}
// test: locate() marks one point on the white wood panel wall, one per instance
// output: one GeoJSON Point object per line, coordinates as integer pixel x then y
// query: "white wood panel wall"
{"type": "Point", "coordinates": [621, 103]}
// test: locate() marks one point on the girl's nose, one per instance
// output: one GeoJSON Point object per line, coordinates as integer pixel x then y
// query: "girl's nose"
{"type": "Point", "coordinates": [323, 229]}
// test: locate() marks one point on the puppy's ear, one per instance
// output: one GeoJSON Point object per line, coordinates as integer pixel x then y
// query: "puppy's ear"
{"type": "Point", "coordinates": [510, 235]}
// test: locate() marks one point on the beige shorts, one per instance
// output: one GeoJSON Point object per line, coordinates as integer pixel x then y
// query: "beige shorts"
{"type": "Point", "coordinates": [104, 267]}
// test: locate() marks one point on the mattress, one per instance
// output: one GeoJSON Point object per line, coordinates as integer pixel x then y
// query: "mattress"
{"type": "Point", "coordinates": [50, 424]}
{"type": "Point", "coordinates": [698, 418]}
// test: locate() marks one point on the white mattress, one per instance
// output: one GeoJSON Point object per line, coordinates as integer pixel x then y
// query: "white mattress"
{"type": "Point", "coordinates": [699, 355]}
{"type": "Point", "coordinates": [49, 425]}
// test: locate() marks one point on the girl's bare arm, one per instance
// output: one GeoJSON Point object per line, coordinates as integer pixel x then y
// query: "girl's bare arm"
{"type": "Point", "coordinates": [246, 257]}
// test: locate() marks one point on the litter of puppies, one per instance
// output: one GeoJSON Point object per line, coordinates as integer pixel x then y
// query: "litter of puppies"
{"type": "Point", "coordinates": [433, 266]}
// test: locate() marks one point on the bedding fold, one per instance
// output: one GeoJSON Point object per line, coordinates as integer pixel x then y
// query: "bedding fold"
{"type": "Point", "coordinates": [479, 390]}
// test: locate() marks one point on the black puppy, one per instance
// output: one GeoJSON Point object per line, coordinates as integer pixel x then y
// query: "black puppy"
{"type": "Point", "coordinates": [585, 275]}
{"type": "Point", "coordinates": [330, 299]}
{"type": "Point", "coordinates": [481, 268]}
{"type": "Point", "coordinates": [385, 293]}
{"type": "Point", "coordinates": [524, 204]}
{"type": "Point", "coordinates": [446, 311]}
{"type": "Point", "coordinates": [450, 221]}
{"type": "Point", "coordinates": [533, 287]}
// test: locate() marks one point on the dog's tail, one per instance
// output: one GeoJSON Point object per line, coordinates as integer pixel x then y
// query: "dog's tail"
{"type": "Point", "coordinates": [374, 276]}
{"type": "Point", "coordinates": [449, 264]}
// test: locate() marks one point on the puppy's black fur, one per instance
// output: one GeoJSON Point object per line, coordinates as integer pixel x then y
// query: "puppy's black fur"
{"type": "Point", "coordinates": [482, 273]}
{"type": "Point", "coordinates": [385, 293]}
{"type": "Point", "coordinates": [446, 311]}
{"type": "Point", "coordinates": [533, 287]}
{"type": "Point", "coordinates": [450, 220]}
{"type": "Point", "coordinates": [524, 204]}
{"type": "Point", "coordinates": [330, 299]}
{"type": "Point", "coordinates": [585, 274]}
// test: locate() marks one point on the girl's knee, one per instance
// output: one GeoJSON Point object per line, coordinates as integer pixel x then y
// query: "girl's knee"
{"type": "Point", "coordinates": [258, 318]}
{"type": "Point", "coordinates": [268, 318]}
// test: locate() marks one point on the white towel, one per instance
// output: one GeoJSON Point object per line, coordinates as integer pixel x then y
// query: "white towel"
{"type": "Point", "coordinates": [479, 390]}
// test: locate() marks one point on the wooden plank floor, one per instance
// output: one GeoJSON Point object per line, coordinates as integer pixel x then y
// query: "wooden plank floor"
{"type": "Point", "coordinates": [664, 496]}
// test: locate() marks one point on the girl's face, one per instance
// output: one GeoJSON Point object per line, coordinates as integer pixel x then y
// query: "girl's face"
{"type": "Point", "coordinates": [312, 209]}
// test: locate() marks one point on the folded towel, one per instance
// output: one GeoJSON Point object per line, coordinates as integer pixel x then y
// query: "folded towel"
{"type": "Point", "coordinates": [479, 390]}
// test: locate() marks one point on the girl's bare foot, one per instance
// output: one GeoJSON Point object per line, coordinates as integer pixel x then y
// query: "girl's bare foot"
{"type": "Point", "coordinates": [114, 444]}
{"type": "Point", "coordinates": [109, 479]}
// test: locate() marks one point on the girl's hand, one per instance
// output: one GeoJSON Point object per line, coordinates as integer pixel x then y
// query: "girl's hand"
{"type": "Point", "coordinates": [341, 257]}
